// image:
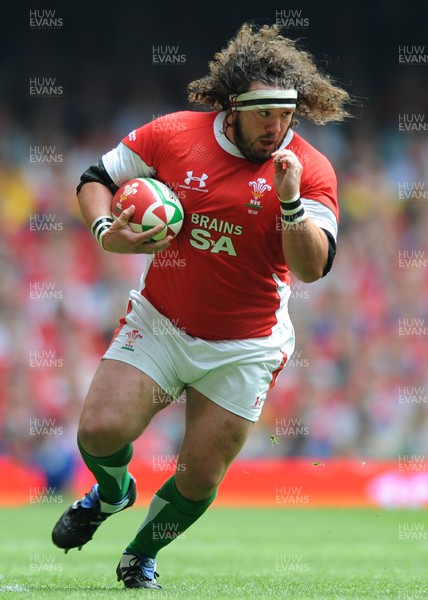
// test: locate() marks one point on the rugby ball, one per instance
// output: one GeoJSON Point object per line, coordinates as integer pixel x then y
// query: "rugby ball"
{"type": "Point", "coordinates": [155, 204]}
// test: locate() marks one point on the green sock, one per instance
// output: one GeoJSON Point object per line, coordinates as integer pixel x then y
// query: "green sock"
{"type": "Point", "coordinates": [111, 472]}
{"type": "Point", "coordinates": [169, 515]}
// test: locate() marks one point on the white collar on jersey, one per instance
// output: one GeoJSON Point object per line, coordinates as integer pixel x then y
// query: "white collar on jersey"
{"type": "Point", "coordinates": [230, 148]}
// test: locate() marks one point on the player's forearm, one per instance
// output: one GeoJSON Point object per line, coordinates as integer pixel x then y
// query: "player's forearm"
{"type": "Point", "coordinates": [305, 249]}
{"type": "Point", "coordinates": [94, 201]}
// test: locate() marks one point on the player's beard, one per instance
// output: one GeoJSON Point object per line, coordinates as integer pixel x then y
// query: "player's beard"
{"type": "Point", "coordinates": [247, 146]}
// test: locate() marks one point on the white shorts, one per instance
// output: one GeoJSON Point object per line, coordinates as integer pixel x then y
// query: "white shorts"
{"type": "Point", "coordinates": [235, 374]}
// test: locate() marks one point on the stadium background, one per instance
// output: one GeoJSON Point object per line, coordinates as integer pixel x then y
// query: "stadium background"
{"type": "Point", "coordinates": [355, 395]}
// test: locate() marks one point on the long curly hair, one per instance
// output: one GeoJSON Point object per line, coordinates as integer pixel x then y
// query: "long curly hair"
{"type": "Point", "coordinates": [262, 54]}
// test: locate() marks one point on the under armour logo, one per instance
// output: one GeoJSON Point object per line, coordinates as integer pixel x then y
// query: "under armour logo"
{"type": "Point", "coordinates": [201, 179]}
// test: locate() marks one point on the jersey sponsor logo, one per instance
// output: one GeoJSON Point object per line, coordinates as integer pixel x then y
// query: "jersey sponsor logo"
{"type": "Point", "coordinates": [259, 188]}
{"type": "Point", "coordinates": [190, 177]}
{"type": "Point", "coordinates": [202, 239]}
{"type": "Point", "coordinates": [132, 136]}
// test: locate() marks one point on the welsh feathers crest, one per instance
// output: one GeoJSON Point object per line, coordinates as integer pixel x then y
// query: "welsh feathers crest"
{"type": "Point", "coordinates": [133, 335]}
{"type": "Point", "coordinates": [259, 187]}
{"type": "Point", "coordinates": [129, 190]}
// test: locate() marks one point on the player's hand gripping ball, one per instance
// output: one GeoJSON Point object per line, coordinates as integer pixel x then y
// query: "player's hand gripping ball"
{"type": "Point", "coordinates": [155, 204]}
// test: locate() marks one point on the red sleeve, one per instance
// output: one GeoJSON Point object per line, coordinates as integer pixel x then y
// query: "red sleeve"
{"type": "Point", "coordinates": [319, 183]}
{"type": "Point", "coordinates": [152, 141]}
{"type": "Point", "coordinates": [140, 141]}
{"type": "Point", "coordinates": [318, 178]}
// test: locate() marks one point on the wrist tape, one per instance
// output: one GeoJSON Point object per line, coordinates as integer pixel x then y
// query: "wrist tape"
{"type": "Point", "coordinates": [292, 211]}
{"type": "Point", "coordinates": [100, 226]}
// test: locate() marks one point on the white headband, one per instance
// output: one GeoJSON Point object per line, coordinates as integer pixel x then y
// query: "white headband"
{"type": "Point", "coordinates": [260, 99]}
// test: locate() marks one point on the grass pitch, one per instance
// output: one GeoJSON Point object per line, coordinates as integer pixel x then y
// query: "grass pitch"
{"type": "Point", "coordinates": [237, 553]}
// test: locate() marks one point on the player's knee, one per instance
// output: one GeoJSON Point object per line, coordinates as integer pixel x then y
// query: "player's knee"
{"type": "Point", "coordinates": [98, 434]}
{"type": "Point", "coordinates": [198, 484]}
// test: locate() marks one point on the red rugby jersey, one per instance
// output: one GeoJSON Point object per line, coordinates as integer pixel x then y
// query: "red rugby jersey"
{"type": "Point", "coordinates": [224, 276]}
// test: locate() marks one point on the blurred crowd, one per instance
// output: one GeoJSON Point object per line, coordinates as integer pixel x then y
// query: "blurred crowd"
{"type": "Point", "coordinates": [357, 385]}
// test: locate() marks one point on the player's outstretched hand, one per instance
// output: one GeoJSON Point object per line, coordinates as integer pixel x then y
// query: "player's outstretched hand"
{"type": "Point", "coordinates": [122, 239]}
{"type": "Point", "coordinates": [288, 172]}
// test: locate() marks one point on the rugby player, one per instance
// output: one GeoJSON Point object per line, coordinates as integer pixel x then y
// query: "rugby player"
{"type": "Point", "coordinates": [259, 202]}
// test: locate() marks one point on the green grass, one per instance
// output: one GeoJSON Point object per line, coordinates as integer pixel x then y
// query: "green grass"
{"type": "Point", "coordinates": [230, 553]}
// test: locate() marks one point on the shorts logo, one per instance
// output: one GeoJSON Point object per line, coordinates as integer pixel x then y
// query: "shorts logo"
{"type": "Point", "coordinates": [259, 401]}
{"type": "Point", "coordinates": [132, 337]}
